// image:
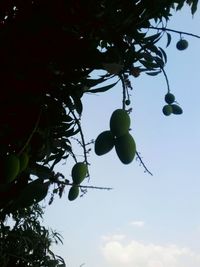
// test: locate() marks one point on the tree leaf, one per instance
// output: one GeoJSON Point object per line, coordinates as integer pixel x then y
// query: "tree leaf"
{"type": "Point", "coordinates": [72, 132]}
{"type": "Point", "coordinates": [159, 61]}
{"type": "Point", "coordinates": [153, 48]}
{"type": "Point", "coordinates": [194, 6]}
{"type": "Point", "coordinates": [57, 158]}
{"type": "Point", "coordinates": [153, 38]}
{"type": "Point", "coordinates": [78, 104]}
{"type": "Point", "coordinates": [169, 38]}
{"type": "Point", "coordinates": [41, 171]}
{"type": "Point", "coordinates": [34, 192]}
{"type": "Point", "coordinates": [180, 5]}
{"type": "Point", "coordinates": [164, 55]}
{"type": "Point", "coordinates": [67, 118]}
{"type": "Point", "coordinates": [93, 82]}
{"type": "Point", "coordinates": [149, 65]}
{"type": "Point", "coordinates": [102, 89]}
{"type": "Point", "coordinates": [153, 73]}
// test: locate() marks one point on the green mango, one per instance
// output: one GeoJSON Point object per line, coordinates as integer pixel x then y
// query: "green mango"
{"type": "Point", "coordinates": [119, 122]}
{"type": "Point", "coordinates": [126, 148]}
{"type": "Point", "coordinates": [104, 143]}
{"type": "Point", "coordinates": [11, 167]}
{"type": "Point", "coordinates": [177, 110]}
{"type": "Point", "coordinates": [23, 159]}
{"type": "Point", "coordinates": [73, 193]}
{"type": "Point", "coordinates": [169, 98]}
{"type": "Point", "coordinates": [79, 172]}
{"type": "Point", "coordinates": [182, 44]}
{"type": "Point", "coordinates": [167, 110]}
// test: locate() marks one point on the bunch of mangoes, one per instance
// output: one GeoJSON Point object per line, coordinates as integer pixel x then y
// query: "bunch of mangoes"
{"type": "Point", "coordinates": [171, 107]}
{"type": "Point", "coordinates": [79, 172]}
{"type": "Point", "coordinates": [118, 136]}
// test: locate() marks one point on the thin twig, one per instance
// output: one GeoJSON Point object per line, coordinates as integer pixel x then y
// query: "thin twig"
{"type": "Point", "coordinates": [175, 31]}
{"type": "Point", "coordinates": [123, 91]}
{"type": "Point", "coordinates": [141, 161]}
{"type": "Point", "coordinates": [165, 74]}
{"type": "Point", "coordinates": [84, 186]}
{"type": "Point", "coordinates": [95, 187]}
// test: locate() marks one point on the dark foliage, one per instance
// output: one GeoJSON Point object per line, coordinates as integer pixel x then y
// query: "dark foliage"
{"type": "Point", "coordinates": [25, 242]}
{"type": "Point", "coordinates": [48, 50]}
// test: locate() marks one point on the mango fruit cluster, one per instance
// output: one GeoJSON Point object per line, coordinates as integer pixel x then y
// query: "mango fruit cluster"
{"type": "Point", "coordinates": [171, 107]}
{"type": "Point", "coordinates": [79, 172]}
{"type": "Point", "coordinates": [118, 136]}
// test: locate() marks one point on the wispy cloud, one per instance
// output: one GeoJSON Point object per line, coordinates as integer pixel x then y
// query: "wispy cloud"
{"type": "Point", "coordinates": [139, 254]}
{"type": "Point", "coordinates": [137, 223]}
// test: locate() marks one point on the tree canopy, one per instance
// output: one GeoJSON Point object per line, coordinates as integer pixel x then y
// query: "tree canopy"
{"type": "Point", "coordinates": [49, 50]}
{"type": "Point", "coordinates": [26, 242]}
{"type": "Point", "coordinates": [48, 53]}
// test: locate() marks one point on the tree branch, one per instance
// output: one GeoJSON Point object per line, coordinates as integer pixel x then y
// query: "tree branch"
{"type": "Point", "coordinates": [82, 136]}
{"type": "Point", "coordinates": [175, 31]}
{"type": "Point", "coordinates": [123, 91]}
{"type": "Point", "coordinates": [142, 163]}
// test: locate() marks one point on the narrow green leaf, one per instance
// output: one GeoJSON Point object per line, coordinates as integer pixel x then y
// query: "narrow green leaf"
{"type": "Point", "coordinates": [149, 65]}
{"type": "Point", "coordinates": [72, 132]}
{"type": "Point", "coordinates": [152, 38]}
{"type": "Point", "coordinates": [194, 6]}
{"type": "Point", "coordinates": [102, 89]}
{"type": "Point", "coordinates": [34, 192]}
{"type": "Point", "coordinates": [169, 38]}
{"type": "Point", "coordinates": [93, 82]}
{"type": "Point", "coordinates": [57, 158]}
{"type": "Point", "coordinates": [41, 171]}
{"type": "Point", "coordinates": [159, 61]}
{"type": "Point", "coordinates": [153, 73]}
{"type": "Point", "coordinates": [78, 105]}
{"type": "Point", "coordinates": [153, 48]}
{"type": "Point", "coordinates": [67, 118]}
{"type": "Point", "coordinates": [164, 56]}
{"type": "Point", "coordinates": [180, 5]}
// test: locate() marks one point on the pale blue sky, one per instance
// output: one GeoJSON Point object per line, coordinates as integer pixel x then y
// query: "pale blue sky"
{"type": "Point", "coordinates": [146, 221]}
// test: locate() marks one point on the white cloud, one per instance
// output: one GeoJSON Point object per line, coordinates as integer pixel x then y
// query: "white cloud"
{"type": "Point", "coordinates": [137, 223]}
{"type": "Point", "coordinates": [139, 254]}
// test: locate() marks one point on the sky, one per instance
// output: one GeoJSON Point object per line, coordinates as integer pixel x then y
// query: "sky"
{"type": "Point", "coordinates": [145, 221]}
